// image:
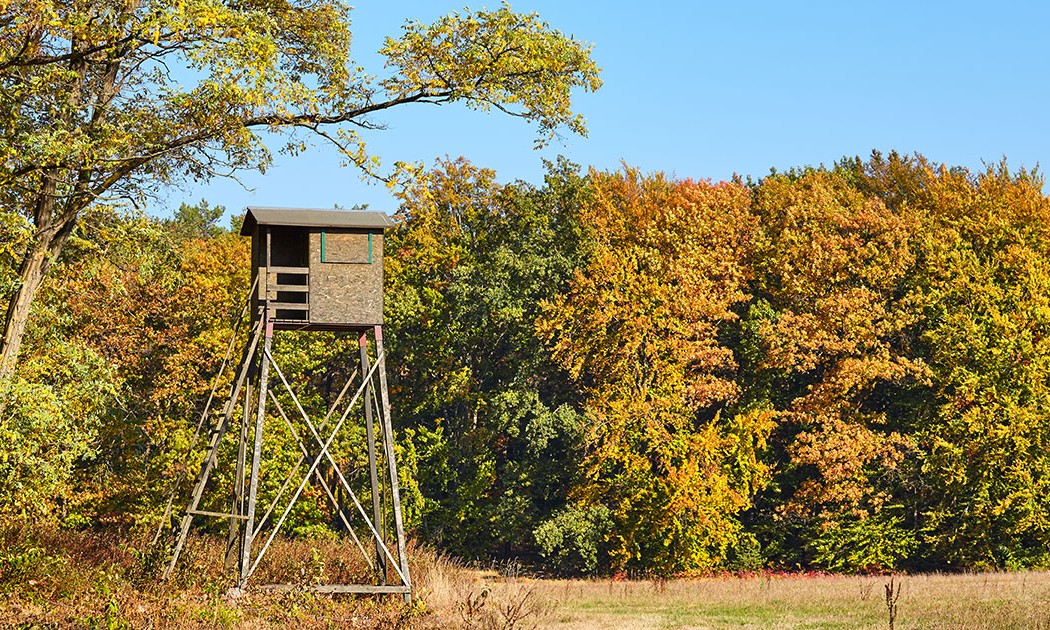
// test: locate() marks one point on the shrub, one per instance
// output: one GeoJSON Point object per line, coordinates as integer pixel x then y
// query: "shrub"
{"type": "Point", "coordinates": [573, 539]}
{"type": "Point", "coordinates": [872, 544]}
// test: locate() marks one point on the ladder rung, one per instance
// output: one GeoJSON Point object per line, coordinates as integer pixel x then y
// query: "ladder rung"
{"type": "Point", "coordinates": [217, 514]}
{"type": "Point", "coordinates": [296, 270]}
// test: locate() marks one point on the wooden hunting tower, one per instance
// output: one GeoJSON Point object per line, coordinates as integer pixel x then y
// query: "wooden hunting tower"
{"type": "Point", "coordinates": [318, 269]}
{"type": "Point", "coordinates": [312, 270]}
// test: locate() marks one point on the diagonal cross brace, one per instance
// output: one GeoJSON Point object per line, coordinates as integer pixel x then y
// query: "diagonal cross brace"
{"type": "Point", "coordinates": [320, 478]}
{"type": "Point", "coordinates": [302, 459]}
{"type": "Point", "coordinates": [317, 460]}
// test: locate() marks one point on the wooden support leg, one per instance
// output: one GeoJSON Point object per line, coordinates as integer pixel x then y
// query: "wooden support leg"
{"type": "Point", "coordinates": [253, 480]}
{"type": "Point", "coordinates": [377, 507]}
{"type": "Point", "coordinates": [388, 447]}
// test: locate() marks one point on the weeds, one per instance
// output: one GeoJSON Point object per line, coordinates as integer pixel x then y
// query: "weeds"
{"type": "Point", "coordinates": [54, 577]}
{"type": "Point", "coordinates": [472, 608]}
{"type": "Point", "coordinates": [893, 593]}
{"type": "Point", "coordinates": [510, 568]}
{"type": "Point", "coordinates": [866, 588]}
{"type": "Point", "coordinates": [519, 609]}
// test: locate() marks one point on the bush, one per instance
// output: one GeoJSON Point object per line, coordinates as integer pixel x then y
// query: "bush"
{"type": "Point", "coordinates": [871, 545]}
{"type": "Point", "coordinates": [49, 418]}
{"type": "Point", "coordinates": [573, 539]}
{"type": "Point", "coordinates": [745, 554]}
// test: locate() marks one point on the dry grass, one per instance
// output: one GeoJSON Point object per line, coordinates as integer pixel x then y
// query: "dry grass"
{"type": "Point", "coordinates": [63, 579]}
{"type": "Point", "coordinates": [57, 578]}
{"type": "Point", "coordinates": [53, 578]}
{"type": "Point", "coordinates": [990, 600]}
{"type": "Point", "coordinates": [458, 597]}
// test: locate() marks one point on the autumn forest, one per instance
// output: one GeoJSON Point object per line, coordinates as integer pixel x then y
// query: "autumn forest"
{"type": "Point", "coordinates": [839, 368]}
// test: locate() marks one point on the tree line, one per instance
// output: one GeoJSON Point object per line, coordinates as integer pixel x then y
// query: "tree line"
{"type": "Point", "coordinates": [839, 368]}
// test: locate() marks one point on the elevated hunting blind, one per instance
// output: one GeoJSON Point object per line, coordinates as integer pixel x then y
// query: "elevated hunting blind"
{"type": "Point", "coordinates": [312, 270]}
{"type": "Point", "coordinates": [318, 269]}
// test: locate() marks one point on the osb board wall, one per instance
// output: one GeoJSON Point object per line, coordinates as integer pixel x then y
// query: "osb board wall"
{"type": "Point", "coordinates": [346, 247]}
{"type": "Point", "coordinates": [346, 292]}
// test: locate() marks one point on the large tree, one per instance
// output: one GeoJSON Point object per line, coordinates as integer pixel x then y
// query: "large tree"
{"type": "Point", "coordinates": [640, 329]}
{"type": "Point", "coordinates": [106, 100]}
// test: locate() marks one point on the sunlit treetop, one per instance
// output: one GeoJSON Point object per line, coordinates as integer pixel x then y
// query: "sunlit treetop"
{"type": "Point", "coordinates": [513, 62]}
{"type": "Point", "coordinates": [107, 100]}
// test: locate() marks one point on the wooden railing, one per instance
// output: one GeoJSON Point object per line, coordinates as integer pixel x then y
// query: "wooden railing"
{"type": "Point", "coordinates": [285, 280]}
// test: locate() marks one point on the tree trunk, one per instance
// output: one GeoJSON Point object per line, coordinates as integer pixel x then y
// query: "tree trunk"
{"type": "Point", "coordinates": [51, 235]}
{"type": "Point", "coordinates": [34, 268]}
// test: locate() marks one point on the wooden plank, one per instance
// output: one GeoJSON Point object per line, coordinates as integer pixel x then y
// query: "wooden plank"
{"type": "Point", "coordinates": [288, 306]}
{"type": "Point", "coordinates": [297, 288]}
{"type": "Point", "coordinates": [370, 433]}
{"type": "Point", "coordinates": [296, 270]}
{"type": "Point", "coordinates": [334, 588]}
{"type": "Point", "coordinates": [345, 247]}
{"type": "Point", "coordinates": [235, 537]}
{"type": "Point", "coordinates": [344, 294]}
{"type": "Point", "coordinates": [253, 478]}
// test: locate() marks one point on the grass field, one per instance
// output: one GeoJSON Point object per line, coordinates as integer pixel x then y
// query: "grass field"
{"type": "Point", "coordinates": [56, 579]}
{"type": "Point", "coordinates": [990, 600]}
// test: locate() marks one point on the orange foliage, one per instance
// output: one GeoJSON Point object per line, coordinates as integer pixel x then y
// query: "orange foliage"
{"type": "Point", "coordinates": [639, 328]}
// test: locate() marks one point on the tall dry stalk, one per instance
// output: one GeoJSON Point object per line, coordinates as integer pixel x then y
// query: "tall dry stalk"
{"type": "Point", "coordinates": [893, 593]}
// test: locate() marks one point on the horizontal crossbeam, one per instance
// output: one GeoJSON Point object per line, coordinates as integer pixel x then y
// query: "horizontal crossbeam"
{"type": "Point", "coordinates": [334, 588]}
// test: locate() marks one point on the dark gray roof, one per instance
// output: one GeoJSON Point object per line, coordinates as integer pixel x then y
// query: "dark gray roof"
{"type": "Point", "coordinates": [314, 217]}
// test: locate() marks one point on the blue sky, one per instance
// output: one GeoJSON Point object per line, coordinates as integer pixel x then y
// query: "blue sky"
{"type": "Point", "coordinates": [705, 90]}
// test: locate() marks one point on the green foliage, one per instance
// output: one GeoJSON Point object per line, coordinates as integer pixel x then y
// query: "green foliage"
{"type": "Point", "coordinates": [572, 541]}
{"type": "Point", "coordinates": [123, 346]}
{"type": "Point", "coordinates": [196, 221]}
{"type": "Point", "coordinates": [49, 423]}
{"type": "Point", "coordinates": [876, 545]}
{"type": "Point", "coordinates": [23, 560]}
{"type": "Point", "coordinates": [984, 294]}
{"type": "Point", "coordinates": [490, 418]}
{"type": "Point", "coordinates": [745, 554]}
{"type": "Point", "coordinates": [500, 59]}
{"type": "Point", "coordinates": [15, 233]}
